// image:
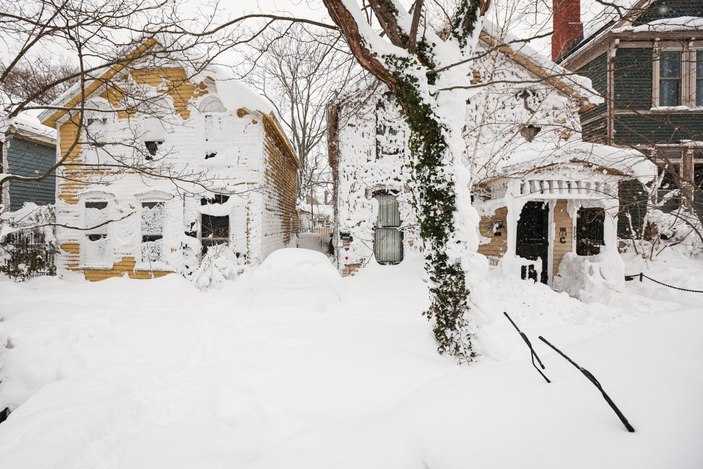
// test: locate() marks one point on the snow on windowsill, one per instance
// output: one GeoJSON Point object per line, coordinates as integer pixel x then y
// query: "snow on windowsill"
{"type": "Point", "coordinates": [676, 109]}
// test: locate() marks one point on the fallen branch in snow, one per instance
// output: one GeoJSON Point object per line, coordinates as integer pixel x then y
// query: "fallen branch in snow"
{"type": "Point", "coordinates": [595, 382]}
{"type": "Point", "coordinates": [533, 354]}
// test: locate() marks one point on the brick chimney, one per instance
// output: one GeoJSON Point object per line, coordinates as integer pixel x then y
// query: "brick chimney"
{"type": "Point", "coordinates": [567, 26]}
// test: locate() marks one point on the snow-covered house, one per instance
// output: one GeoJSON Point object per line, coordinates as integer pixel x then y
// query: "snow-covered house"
{"type": "Point", "coordinates": [161, 164]}
{"type": "Point", "coordinates": [27, 149]}
{"type": "Point", "coordinates": [541, 191]}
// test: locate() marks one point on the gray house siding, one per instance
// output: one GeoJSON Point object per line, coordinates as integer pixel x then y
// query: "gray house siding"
{"type": "Point", "coordinates": [597, 71]}
{"type": "Point", "coordinates": [27, 158]}
{"type": "Point", "coordinates": [658, 128]}
{"type": "Point", "coordinates": [633, 79]}
{"type": "Point", "coordinates": [670, 9]}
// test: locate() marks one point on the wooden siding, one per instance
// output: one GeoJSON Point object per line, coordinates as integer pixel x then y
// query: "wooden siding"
{"type": "Point", "coordinates": [498, 245]}
{"type": "Point", "coordinates": [121, 267]}
{"type": "Point", "coordinates": [280, 190]}
{"type": "Point", "coordinates": [174, 81]}
{"type": "Point", "coordinates": [27, 158]}
{"type": "Point", "coordinates": [596, 70]}
{"type": "Point", "coordinates": [562, 219]}
{"type": "Point", "coordinates": [596, 130]}
{"type": "Point", "coordinates": [647, 129]}
{"type": "Point", "coordinates": [633, 79]}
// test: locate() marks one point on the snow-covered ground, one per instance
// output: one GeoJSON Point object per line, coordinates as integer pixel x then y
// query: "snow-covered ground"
{"type": "Point", "coordinates": [299, 369]}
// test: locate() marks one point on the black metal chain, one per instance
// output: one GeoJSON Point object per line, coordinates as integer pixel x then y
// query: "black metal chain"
{"type": "Point", "coordinates": [641, 275]}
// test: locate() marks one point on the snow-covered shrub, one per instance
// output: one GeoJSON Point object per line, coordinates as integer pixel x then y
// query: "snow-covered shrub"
{"type": "Point", "coordinates": [218, 265]}
{"type": "Point", "coordinates": [300, 278]}
{"type": "Point", "coordinates": [678, 228]}
{"type": "Point", "coordinates": [590, 278]}
{"type": "Point", "coordinates": [27, 242]}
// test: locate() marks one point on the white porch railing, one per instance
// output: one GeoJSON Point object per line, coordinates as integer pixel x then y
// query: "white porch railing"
{"type": "Point", "coordinates": [562, 187]}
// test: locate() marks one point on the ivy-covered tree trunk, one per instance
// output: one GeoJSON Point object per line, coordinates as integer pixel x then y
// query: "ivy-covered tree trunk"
{"type": "Point", "coordinates": [408, 63]}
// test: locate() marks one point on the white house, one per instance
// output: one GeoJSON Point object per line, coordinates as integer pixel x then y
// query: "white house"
{"type": "Point", "coordinates": [160, 164]}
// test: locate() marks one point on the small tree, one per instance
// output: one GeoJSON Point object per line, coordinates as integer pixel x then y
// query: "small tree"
{"type": "Point", "coordinates": [301, 68]}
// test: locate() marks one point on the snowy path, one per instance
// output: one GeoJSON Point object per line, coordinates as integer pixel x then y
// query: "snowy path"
{"type": "Point", "coordinates": [130, 374]}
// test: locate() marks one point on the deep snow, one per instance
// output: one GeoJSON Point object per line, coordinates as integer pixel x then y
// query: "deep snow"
{"type": "Point", "coordinates": [144, 374]}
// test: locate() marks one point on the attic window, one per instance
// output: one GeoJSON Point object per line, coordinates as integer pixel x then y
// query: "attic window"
{"type": "Point", "coordinates": [152, 146]}
{"type": "Point", "coordinates": [530, 99]}
{"type": "Point", "coordinates": [529, 132]}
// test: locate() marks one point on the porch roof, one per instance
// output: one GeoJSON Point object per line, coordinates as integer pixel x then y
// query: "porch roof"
{"type": "Point", "coordinates": [610, 160]}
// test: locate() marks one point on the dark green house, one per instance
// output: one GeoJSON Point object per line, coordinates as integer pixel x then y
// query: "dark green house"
{"type": "Point", "coordinates": [646, 60]}
{"type": "Point", "coordinates": [27, 149]}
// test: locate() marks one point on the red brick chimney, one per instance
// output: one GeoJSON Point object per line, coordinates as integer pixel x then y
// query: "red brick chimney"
{"type": "Point", "coordinates": [568, 29]}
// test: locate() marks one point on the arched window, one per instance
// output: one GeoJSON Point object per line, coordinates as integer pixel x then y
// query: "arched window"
{"type": "Point", "coordinates": [388, 239]}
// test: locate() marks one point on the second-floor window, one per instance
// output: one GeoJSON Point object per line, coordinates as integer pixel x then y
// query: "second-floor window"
{"type": "Point", "coordinates": [699, 78]}
{"type": "Point", "coordinates": [670, 78]}
{"type": "Point", "coordinates": [678, 78]}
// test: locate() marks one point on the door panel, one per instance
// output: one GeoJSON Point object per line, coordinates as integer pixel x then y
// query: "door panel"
{"type": "Point", "coordinates": [533, 237]}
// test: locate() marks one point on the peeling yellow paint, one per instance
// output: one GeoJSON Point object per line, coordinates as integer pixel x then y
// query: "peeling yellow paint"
{"type": "Point", "coordinates": [119, 268]}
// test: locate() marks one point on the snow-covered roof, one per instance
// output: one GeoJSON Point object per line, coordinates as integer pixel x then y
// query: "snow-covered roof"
{"type": "Point", "coordinates": [539, 65]}
{"type": "Point", "coordinates": [26, 123]}
{"type": "Point", "coordinates": [626, 161]}
{"type": "Point", "coordinates": [233, 94]}
{"type": "Point", "coordinates": [599, 17]}
{"type": "Point", "coordinates": [236, 95]}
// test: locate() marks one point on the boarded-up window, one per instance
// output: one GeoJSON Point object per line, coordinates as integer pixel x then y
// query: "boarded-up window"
{"type": "Point", "coordinates": [153, 218]}
{"type": "Point", "coordinates": [95, 247]}
{"type": "Point", "coordinates": [388, 239]}
{"type": "Point", "coordinates": [589, 231]}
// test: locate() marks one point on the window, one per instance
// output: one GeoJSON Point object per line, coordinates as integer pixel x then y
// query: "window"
{"type": "Point", "coordinates": [699, 78]}
{"type": "Point", "coordinates": [214, 229]}
{"type": "Point", "coordinates": [589, 231]}
{"type": "Point", "coordinates": [670, 78]}
{"type": "Point", "coordinates": [95, 246]}
{"type": "Point", "coordinates": [678, 77]}
{"type": "Point", "coordinates": [152, 146]}
{"type": "Point", "coordinates": [669, 160]}
{"type": "Point", "coordinates": [153, 218]}
{"type": "Point", "coordinates": [530, 132]}
{"type": "Point", "coordinates": [697, 172]}
{"type": "Point", "coordinates": [388, 239]}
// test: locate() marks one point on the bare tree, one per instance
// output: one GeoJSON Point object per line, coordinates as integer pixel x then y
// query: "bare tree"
{"type": "Point", "coordinates": [300, 69]}
{"type": "Point", "coordinates": [35, 79]}
{"type": "Point", "coordinates": [107, 39]}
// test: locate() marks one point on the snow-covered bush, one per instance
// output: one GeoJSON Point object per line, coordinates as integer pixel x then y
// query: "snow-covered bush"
{"type": "Point", "coordinates": [27, 242]}
{"type": "Point", "coordinates": [300, 277]}
{"type": "Point", "coordinates": [678, 228]}
{"type": "Point", "coordinates": [590, 278]}
{"type": "Point", "coordinates": [217, 266]}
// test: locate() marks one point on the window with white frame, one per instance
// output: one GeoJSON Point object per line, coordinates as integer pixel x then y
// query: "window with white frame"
{"type": "Point", "coordinates": [699, 78]}
{"type": "Point", "coordinates": [670, 78]}
{"type": "Point", "coordinates": [153, 219]}
{"type": "Point", "coordinates": [95, 246]}
{"type": "Point", "coordinates": [97, 116]}
{"type": "Point", "coordinates": [678, 77]}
